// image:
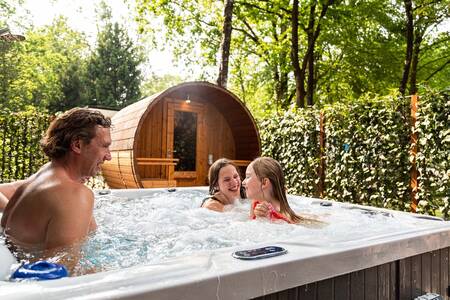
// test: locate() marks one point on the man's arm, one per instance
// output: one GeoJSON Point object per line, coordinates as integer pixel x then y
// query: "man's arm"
{"type": "Point", "coordinates": [7, 190]}
{"type": "Point", "coordinates": [3, 202]}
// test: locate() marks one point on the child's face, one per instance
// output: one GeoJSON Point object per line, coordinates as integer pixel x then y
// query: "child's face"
{"type": "Point", "coordinates": [252, 184]}
{"type": "Point", "coordinates": [229, 182]}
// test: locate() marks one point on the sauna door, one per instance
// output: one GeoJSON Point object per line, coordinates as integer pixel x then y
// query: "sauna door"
{"type": "Point", "coordinates": [186, 141]}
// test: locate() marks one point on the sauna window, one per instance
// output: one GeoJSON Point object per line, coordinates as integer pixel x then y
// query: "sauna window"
{"type": "Point", "coordinates": [185, 140]}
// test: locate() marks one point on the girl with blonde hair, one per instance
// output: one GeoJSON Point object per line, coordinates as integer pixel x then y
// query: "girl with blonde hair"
{"type": "Point", "coordinates": [265, 184]}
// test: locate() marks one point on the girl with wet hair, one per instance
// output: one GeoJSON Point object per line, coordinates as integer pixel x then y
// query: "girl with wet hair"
{"type": "Point", "coordinates": [224, 185]}
{"type": "Point", "coordinates": [265, 184]}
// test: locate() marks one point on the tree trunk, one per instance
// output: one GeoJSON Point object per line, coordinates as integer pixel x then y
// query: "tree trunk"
{"type": "Point", "coordinates": [310, 59]}
{"type": "Point", "coordinates": [299, 79]}
{"type": "Point", "coordinates": [280, 73]}
{"type": "Point", "coordinates": [414, 64]}
{"type": "Point", "coordinates": [281, 80]}
{"type": "Point", "coordinates": [409, 44]}
{"type": "Point", "coordinates": [225, 44]}
{"type": "Point", "coordinates": [283, 90]}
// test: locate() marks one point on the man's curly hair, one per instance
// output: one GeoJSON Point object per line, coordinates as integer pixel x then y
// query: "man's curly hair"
{"type": "Point", "coordinates": [76, 123]}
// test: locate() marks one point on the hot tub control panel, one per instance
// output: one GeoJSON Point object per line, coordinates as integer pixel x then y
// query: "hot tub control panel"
{"type": "Point", "coordinates": [259, 253]}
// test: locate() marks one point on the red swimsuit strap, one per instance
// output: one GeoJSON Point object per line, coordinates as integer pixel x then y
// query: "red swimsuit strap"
{"type": "Point", "coordinates": [276, 215]}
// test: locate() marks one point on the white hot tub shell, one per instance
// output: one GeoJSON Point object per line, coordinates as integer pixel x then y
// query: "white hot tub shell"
{"type": "Point", "coordinates": [399, 260]}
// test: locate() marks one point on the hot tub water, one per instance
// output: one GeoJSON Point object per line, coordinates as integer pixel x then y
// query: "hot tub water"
{"type": "Point", "coordinates": [163, 225]}
{"type": "Point", "coordinates": [154, 244]}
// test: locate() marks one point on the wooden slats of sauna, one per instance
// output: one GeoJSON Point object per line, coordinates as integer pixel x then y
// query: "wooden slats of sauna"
{"type": "Point", "coordinates": [126, 125]}
{"type": "Point", "coordinates": [168, 163]}
{"type": "Point", "coordinates": [120, 171]}
{"type": "Point", "coordinates": [243, 128]}
{"type": "Point", "coordinates": [140, 130]}
{"type": "Point", "coordinates": [241, 163]}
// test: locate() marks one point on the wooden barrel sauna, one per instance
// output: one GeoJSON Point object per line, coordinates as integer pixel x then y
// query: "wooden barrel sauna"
{"type": "Point", "coordinates": [171, 138]}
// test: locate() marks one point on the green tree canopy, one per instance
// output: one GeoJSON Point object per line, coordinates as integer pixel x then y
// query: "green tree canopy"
{"type": "Point", "coordinates": [157, 83]}
{"type": "Point", "coordinates": [358, 48]}
{"type": "Point", "coordinates": [113, 77]}
{"type": "Point", "coordinates": [33, 71]}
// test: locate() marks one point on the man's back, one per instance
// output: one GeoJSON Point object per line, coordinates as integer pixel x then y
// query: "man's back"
{"type": "Point", "coordinates": [48, 210]}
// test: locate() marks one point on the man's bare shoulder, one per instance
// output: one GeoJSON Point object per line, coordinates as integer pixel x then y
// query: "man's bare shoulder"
{"type": "Point", "coordinates": [65, 193]}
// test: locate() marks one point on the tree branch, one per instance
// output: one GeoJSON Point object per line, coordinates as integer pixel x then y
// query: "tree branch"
{"type": "Point", "coordinates": [322, 15]}
{"type": "Point", "coordinates": [256, 38]}
{"type": "Point", "coordinates": [263, 9]}
{"type": "Point", "coordinates": [433, 61]}
{"type": "Point", "coordinates": [426, 4]}
{"type": "Point", "coordinates": [426, 48]}
{"type": "Point", "coordinates": [438, 70]}
{"type": "Point", "coordinates": [246, 33]}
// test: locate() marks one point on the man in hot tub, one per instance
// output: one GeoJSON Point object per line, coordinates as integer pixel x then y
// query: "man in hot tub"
{"type": "Point", "coordinates": [53, 208]}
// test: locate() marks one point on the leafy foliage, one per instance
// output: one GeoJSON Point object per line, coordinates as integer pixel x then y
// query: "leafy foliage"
{"type": "Point", "coordinates": [156, 83]}
{"type": "Point", "coordinates": [367, 151]}
{"type": "Point", "coordinates": [360, 48]}
{"type": "Point", "coordinates": [20, 154]}
{"type": "Point", "coordinates": [7, 9]}
{"type": "Point", "coordinates": [367, 144]}
{"type": "Point", "coordinates": [433, 159]}
{"type": "Point", "coordinates": [113, 77]}
{"type": "Point", "coordinates": [293, 140]}
{"type": "Point", "coordinates": [190, 28]}
{"type": "Point", "coordinates": [32, 72]}
{"type": "Point", "coordinates": [433, 68]}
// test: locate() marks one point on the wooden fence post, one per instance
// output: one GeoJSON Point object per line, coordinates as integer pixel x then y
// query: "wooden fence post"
{"type": "Point", "coordinates": [413, 153]}
{"type": "Point", "coordinates": [322, 162]}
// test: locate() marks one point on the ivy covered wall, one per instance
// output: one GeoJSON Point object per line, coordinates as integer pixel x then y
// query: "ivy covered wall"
{"type": "Point", "coordinates": [433, 158]}
{"type": "Point", "coordinates": [293, 140]}
{"type": "Point", "coordinates": [20, 153]}
{"type": "Point", "coordinates": [367, 151]}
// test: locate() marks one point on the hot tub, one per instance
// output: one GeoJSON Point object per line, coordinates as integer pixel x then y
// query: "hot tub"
{"type": "Point", "coordinates": [382, 254]}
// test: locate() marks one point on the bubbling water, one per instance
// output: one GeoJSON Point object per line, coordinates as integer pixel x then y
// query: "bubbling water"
{"type": "Point", "coordinates": [163, 225]}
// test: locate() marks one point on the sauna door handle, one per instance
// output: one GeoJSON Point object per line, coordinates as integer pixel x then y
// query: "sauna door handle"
{"type": "Point", "coordinates": [170, 153]}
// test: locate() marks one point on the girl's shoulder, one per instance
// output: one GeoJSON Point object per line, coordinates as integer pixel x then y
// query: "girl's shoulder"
{"type": "Point", "coordinates": [212, 204]}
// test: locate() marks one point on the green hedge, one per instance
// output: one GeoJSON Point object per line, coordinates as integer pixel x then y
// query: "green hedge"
{"type": "Point", "coordinates": [20, 153]}
{"type": "Point", "coordinates": [367, 151]}
{"type": "Point", "coordinates": [433, 159]}
{"type": "Point", "coordinates": [292, 139]}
